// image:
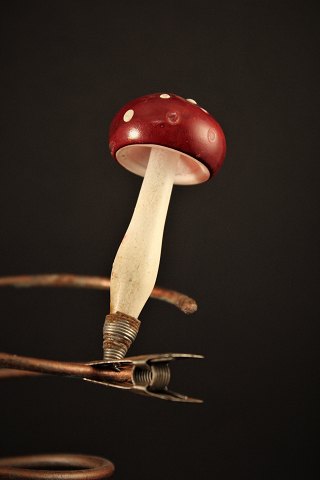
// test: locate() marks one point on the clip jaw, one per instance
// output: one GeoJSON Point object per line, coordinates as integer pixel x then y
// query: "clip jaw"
{"type": "Point", "coordinates": [150, 375]}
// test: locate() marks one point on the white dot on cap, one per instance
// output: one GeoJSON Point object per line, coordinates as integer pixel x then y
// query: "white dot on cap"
{"type": "Point", "coordinates": [191, 101]}
{"type": "Point", "coordinates": [164, 95]}
{"type": "Point", "coordinates": [211, 135]}
{"type": "Point", "coordinates": [128, 115]}
{"type": "Point", "coordinates": [204, 110]}
{"type": "Point", "coordinates": [133, 133]}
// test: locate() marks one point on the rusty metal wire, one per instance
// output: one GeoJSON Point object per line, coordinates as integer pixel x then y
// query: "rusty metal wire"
{"type": "Point", "coordinates": [16, 365]}
{"type": "Point", "coordinates": [66, 466]}
{"type": "Point", "coordinates": [49, 467]}
{"type": "Point", "coordinates": [183, 302]}
{"type": "Point", "coordinates": [147, 375]}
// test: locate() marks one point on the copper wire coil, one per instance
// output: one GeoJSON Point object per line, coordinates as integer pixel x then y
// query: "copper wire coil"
{"type": "Point", "coordinates": [66, 466]}
{"type": "Point", "coordinates": [61, 467]}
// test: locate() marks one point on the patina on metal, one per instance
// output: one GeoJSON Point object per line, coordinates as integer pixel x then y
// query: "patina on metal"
{"type": "Point", "coordinates": [150, 375]}
{"type": "Point", "coordinates": [147, 375]}
{"type": "Point", "coordinates": [119, 332]}
{"type": "Point", "coordinates": [56, 467]}
{"type": "Point", "coordinates": [140, 374]}
{"type": "Point", "coordinates": [183, 302]}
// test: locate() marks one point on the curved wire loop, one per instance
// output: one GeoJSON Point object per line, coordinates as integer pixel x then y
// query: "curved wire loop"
{"type": "Point", "coordinates": [186, 304]}
{"type": "Point", "coordinates": [56, 467]}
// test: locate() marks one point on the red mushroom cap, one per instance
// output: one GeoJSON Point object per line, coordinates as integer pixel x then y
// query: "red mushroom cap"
{"type": "Point", "coordinates": [168, 121]}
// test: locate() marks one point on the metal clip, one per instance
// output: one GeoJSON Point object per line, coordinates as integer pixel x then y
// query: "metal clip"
{"type": "Point", "coordinates": [150, 375]}
{"type": "Point", "coordinates": [147, 375]}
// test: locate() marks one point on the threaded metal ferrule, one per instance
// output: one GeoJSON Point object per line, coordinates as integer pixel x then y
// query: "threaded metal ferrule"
{"type": "Point", "coordinates": [119, 331]}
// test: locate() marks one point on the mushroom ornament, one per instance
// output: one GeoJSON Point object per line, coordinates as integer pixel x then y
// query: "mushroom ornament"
{"type": "Point", "coordinates": [168, 140]}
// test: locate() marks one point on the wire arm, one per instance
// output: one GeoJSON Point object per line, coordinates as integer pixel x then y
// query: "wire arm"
{"type": "Point", "coordinates": [186, 304]}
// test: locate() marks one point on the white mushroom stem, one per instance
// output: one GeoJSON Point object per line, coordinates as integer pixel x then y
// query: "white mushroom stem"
{"type": "Point", "coordinates": [136, 264]}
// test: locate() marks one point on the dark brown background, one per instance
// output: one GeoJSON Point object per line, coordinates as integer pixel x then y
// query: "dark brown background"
{"type": "Point", "coordinates": [245, 246]}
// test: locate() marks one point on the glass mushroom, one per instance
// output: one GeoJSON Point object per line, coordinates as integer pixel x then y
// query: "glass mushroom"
{"type": "Point", "coordinates": [168, 140]}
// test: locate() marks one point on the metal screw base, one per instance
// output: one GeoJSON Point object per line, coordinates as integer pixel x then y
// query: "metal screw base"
{"type": "Point", "coordinates": [119, 332]}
